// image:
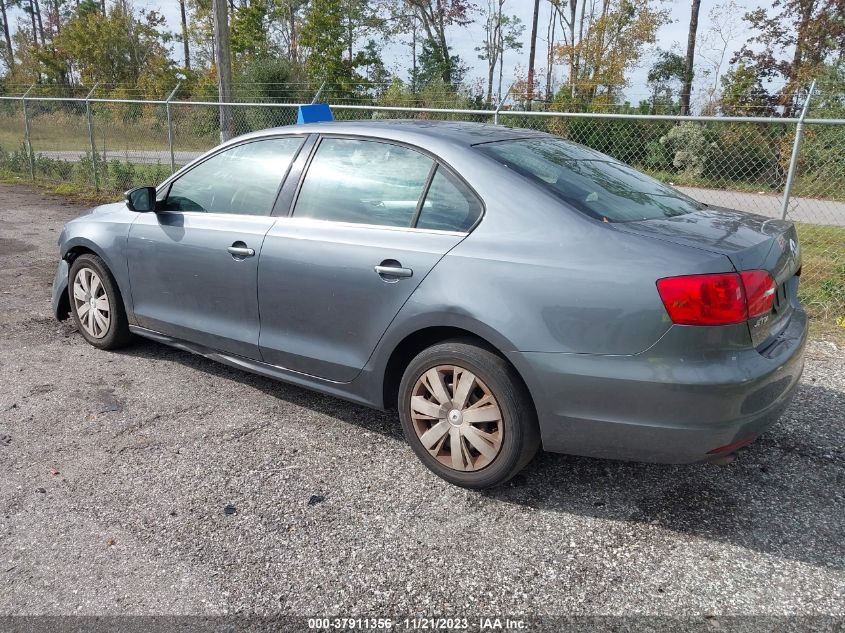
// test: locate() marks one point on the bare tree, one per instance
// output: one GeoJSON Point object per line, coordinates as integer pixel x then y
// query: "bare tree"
{"type": "Point", "coordinates": [714, 45]}
{"type": "Point", "coordinates": [502, 32]}
{"type": "Point", "coordinates": [568, 20]}
{"type": "Point", "coordinates": [489, 50]}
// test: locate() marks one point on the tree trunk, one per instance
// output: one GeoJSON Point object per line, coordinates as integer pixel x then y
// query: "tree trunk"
{"type": "Point", "coordinates": [576, 56]}
{"type": "Point", "coordinates": [686, 90]}
{"type": "Point", "coordinates": [792, 86]}
{"type": "Point", "coordinates": [500, 48]}
{"type": "Point", "coordinates": [550, 52]}
{"type": "Point", "coordinates": [293, 47]}
{"type": "Point", "coordinates": [186, 46]}
{"type": "Point", "coordinates": [501, 68]}
{"type": "Point", "coordinates": [40, 23]}
{"type": "Point", "coordinates": [532, 51]}
{"type": "Point", "coordinates": [492, 44]}
{"type": "Point", "coordinates": [350, 31]}
{"type": "Point", "coordinates": [224, 66]}
{"type": "Point", "coordinates": [414, 56]}
{"type": "Point", "coordinates": [491, 69]}
{"type": "Point", "coordinates": [10, 53]}
{"type": "Point", "coordinates": [34, 27]}
{"type": "Point", "coordinates": [57, 16]}
{"type": "Point", "coordinates": [444, 49]}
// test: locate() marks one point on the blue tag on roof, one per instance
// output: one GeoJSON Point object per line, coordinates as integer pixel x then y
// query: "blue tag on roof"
{"type": "Point", "coordinates": [314, 113]}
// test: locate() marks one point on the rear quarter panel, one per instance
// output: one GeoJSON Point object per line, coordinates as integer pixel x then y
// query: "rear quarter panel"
{"type": "Point", "coordinates": [540, 277]}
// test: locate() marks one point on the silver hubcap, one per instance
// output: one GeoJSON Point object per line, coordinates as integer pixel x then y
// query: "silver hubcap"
{"type": "Point", "coordinates": [91, 303]}
{"type": "Point", "coordinates": [456, 418]}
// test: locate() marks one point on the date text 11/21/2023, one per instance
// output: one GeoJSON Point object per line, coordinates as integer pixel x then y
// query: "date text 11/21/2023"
{"type": "Point", "coordinates": [419, 624]}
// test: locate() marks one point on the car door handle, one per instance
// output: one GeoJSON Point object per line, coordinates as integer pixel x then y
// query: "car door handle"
{"type": "Point", "coordinates": [393, 272]}
{"type": "Point", "coordinates": [240, 251]}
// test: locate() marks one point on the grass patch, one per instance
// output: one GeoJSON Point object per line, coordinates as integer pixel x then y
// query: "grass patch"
{"type": "Point", "coordinates": [75, 192]}
{"type": "Point", "coordinates": [822, 289]}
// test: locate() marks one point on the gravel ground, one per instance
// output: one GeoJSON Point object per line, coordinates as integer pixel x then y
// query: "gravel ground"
{"type": "Point", "coordinates": [154, 481]}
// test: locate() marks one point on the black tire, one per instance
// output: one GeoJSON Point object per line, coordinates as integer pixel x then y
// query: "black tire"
{"type": "Point", "coordinates": [117, 334]}
{"type": "Point", "coordinates": [520, 434]}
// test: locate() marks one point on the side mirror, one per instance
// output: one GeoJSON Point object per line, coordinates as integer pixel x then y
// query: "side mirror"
{"type": "Point", "coordinates": [141, 199]}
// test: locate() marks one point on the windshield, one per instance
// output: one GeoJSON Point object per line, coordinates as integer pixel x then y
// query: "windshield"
{"type": "Point", "coordinates": [591, 182]}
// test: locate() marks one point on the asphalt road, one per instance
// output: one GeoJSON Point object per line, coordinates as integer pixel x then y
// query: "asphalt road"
{"type": "Point", "coordinates": [153, 481]}
{"type": "Point", "coordinates": [809, 210]}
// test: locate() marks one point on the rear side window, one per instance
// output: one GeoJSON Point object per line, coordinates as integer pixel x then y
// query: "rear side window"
{"type": "Point", "coordinates": [593, 183]}
{"type": "Point", "coordinates": [364, 182]}
{"type": "Point", "coordinates": [449, 205]}
{"type": "Point", "coordinates": [243, 179]}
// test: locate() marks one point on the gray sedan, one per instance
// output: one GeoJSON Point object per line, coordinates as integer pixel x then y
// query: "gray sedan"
{"type": "Point", "coordinates": [503, 288]}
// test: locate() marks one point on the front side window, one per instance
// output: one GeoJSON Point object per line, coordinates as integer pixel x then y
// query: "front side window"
{"type": "Point", "coordinates": [364, 182]}
{"type": "Point", "coordinates": [593, 183]}
{"type": "Point", "coordinates": [449, 205]}
{"type": "Point", "coordinates": [243, 179]}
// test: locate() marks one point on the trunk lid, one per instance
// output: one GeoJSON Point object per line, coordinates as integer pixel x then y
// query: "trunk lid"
{"type": "Point", "coordinates": [751, 242]}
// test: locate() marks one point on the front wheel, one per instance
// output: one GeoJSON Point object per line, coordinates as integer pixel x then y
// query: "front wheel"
{"type": "Point", "coordinates": [96, 304]}
{"type": "Point", "coordinates": [467, 415]}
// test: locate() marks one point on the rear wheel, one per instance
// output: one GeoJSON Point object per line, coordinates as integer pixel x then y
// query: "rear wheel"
{"type": "Point", "coordinates": [96, 304]}
{"type": "Point", "coordinates": [467, 415]}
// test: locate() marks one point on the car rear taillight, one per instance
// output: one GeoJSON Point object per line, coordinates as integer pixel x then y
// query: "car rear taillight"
{"type": "Point", "coordinates": [717, 299]}
{"type": "Point", "coordinates": [760, 290]}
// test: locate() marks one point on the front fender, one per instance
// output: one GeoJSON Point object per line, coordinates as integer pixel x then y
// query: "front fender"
{"type": "Point", "coordinates": [60, 300]}
{"type": "Point", "coordinates": [107, 240]}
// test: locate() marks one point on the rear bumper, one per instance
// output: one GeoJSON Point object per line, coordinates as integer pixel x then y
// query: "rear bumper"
{"type": "Point", "coordinates": [658, 406]}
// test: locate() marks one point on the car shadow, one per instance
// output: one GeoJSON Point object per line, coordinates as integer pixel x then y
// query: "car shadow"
{"type": "Point", "coordinates": [782, 496]}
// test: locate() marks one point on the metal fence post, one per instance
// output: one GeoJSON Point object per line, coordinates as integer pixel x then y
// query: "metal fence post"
{"type": "Point", "coordinates": [26, 137]}
{"type": "Point", "coordinates": [796, 147]}
{"type": "Point", "coordinates": [91, 136]}
{"type": "Point", "coordinates": [170, 128]}
{"type": "Point", "coordinates": [501, 103]}
{"type": "Point", "coordinates": [318, 93]}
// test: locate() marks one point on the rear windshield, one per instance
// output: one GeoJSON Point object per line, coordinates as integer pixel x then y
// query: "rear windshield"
{"type": "Point", "coordinates": [591, 182]}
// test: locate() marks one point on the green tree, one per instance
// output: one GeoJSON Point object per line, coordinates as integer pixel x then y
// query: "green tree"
{"type": "Point", "coordinates": [663, 76]}
{"type": "Point", "coordinates": [324, 35]}
{"type": "Point", "coordinates": [610, 41]}
{"type": "Point", "coordinates": [249, 26]}
{"type": "Point", "coordinates": [118, 48]}
{"type": "Point", "coordinates": [743, 93]}
{"type": "Point", "coordinates": [436, 16]}
{"type": "Point", "coordinates": [793, 42]}
{"type": "Point", "coordinates": [432, 68]}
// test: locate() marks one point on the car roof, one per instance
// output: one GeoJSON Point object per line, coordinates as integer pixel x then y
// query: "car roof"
{"type": "Point", "coordinates": [414, 131]}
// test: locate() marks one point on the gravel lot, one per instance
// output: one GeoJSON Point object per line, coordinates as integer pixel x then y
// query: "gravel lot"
{"type": "Point", "coordinates": [116, 471]}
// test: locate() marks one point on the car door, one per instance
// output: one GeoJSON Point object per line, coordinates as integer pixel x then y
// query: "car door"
{"type": "Point", "coordinates": [361, 237]}
{"type": "Point", "coordinates": [193, 264]}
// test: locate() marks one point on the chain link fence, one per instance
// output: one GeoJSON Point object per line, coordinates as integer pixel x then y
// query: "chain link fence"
{"type": "Point", "coordinates": [103, 146]}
